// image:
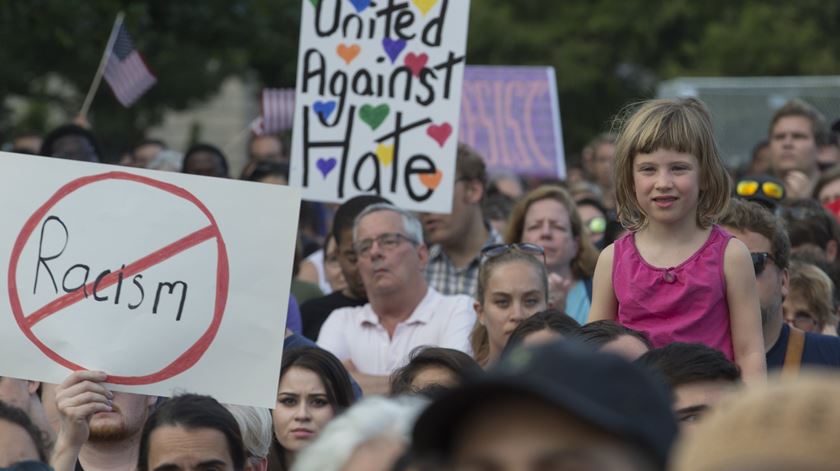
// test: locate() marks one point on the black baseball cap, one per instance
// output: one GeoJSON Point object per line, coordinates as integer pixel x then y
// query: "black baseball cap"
{"type": "Point", "coordinates": [600, 389]}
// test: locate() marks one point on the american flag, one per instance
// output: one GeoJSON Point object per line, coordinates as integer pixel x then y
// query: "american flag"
{"type": "Point", "coordinates": [278, 107]}
{"type": "Point", "coordinates": [125, 71]}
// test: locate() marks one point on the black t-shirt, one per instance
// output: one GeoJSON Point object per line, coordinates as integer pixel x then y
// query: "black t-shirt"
{"type": "Point", "coordinates": [822, 350]}
{"type": "Point", "coordinates": [314, 313]}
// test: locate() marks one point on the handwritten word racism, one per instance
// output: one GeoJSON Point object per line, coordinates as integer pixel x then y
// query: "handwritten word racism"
{"type": "Point", "coordinates": [78, 275]}
{"type": "Point", "coordinates": [376, 83]}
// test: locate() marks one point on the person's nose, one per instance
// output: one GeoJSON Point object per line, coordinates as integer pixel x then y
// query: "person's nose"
{"type": "Point", "coordinates": [302, 412]}
{"type": "Point", "coordinates": [664, 180]}
{"type": "Point", "coordinates": [545, 230]}
{"type": "Point", "coordinates": [518, 313]}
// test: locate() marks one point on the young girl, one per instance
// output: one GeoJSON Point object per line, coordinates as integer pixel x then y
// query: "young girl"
{"type": "Point", "coordinates": [677, 276]}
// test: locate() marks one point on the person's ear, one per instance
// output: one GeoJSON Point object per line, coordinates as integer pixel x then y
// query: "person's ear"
{"type": "Point", "coordinates": [785, 283]}
{"type": "Point", "coordinates": [474, 191]}
{"type": "Point", "coordinates": [479, 312]}
{"type": "Point", "coordinates": [32, 387]}
{"type": "Point", "coordinates": [831, 251]}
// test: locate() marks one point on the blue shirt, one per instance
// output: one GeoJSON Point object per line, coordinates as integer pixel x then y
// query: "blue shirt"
{"type": "Point", "coordinates": [821, 350]}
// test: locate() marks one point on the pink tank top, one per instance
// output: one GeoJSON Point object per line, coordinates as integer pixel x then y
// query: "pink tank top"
{"type": "Point", "coordinates": [686, 303]}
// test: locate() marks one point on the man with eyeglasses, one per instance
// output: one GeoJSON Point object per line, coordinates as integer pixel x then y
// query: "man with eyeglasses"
{"type": "Point", "coordinates": [457, 238]}
{"type": "Point", "coordinates": [764, 235]}
{"type": "Point", "coordinates": [403, 311]}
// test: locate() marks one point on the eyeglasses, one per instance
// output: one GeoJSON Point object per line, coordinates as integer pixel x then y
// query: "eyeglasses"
{"type": "Point", "coordinates": [750, 188]}
{"type": "Point", "coordinates": [493, 251]}
{"type": "Point", "coordinates": [759, 260]}
{"type": "Point", "coordinates": [804, 321]}
{"type": "Point", "coordinates": [386, 241]}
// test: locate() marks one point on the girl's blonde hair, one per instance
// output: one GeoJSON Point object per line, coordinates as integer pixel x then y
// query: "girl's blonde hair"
{"type": "Point", "coordinates": [680, 125]}
{"type": "Point", "coordinates": [583, 264]}
{"type": "Point", "coordinates": [479, 337]}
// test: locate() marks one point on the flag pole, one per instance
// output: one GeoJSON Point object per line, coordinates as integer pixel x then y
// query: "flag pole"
{"type": "Point", "coordinates": [101, 70]}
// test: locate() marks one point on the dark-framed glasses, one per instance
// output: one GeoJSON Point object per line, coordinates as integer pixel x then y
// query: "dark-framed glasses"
{"type": "Point", "coordinates": [759, 260]}
{"type": "Point", "coordinates": [386, 241]}
{"type": "Point", "coordinates": [492, 251]}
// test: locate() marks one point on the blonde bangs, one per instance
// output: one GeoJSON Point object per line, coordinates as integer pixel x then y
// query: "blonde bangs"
{"type": "Point", "coordinates": [681, 125]}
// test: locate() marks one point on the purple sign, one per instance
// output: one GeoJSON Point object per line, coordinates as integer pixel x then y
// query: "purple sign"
{"type": "Point", "coordinates": [511, 116]}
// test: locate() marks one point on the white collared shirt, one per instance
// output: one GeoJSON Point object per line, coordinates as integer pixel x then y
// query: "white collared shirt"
{"type": "Point", "coordinates": [355, 333]}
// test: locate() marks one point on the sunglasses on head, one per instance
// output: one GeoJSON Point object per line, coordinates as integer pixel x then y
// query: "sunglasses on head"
{"type": "Point", "coordinates": [759, 260]}
{"type": "Point", "coordinates": [747, 188]}
{"type": "Point", "coordinates": [492, 251]}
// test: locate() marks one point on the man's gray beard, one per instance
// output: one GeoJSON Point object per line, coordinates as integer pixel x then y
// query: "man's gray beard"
{"type": "Point", "coordinates": [770, 312]}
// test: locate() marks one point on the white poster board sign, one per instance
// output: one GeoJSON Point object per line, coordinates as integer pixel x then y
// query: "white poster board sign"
{"type": "Point", "coordinates": [167, 282]}
{"type": "Point", "coordinates": [378, 98]}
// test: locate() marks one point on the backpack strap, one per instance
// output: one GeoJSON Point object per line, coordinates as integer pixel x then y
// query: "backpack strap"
{"type": "Point", "coordinates": [793, 355]}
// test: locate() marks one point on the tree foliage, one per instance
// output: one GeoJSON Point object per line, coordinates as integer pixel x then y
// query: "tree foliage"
{"type": "Point", "coordinates": [606, 52]}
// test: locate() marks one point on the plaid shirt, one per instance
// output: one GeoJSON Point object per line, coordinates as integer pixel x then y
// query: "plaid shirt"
{"type": "Point", "coordinates": [445, 278]}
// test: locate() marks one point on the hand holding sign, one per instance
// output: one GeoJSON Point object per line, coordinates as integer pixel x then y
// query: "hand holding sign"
{"type": "Point", "coordinates": [133, 272]}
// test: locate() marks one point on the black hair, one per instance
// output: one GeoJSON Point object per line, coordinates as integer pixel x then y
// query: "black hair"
{"type": "Point", "coordinates": [18, 417]}
{"type": "Point", "coordinates": [683, 363]}
{"type": "Point", "coordinates": [554, 320]}
{"type": "Point", "coordinates": [266, 169]}
{"type": "Point", "coordinates": [458, 362]}
{"type": "Point", "coordinates": [48, 146]}
{"type": "Point", "coordinates": [346, 214]}
{"type": "Point", "coordinates": [599, 333]}
{"type": "Point", "coordinates": [329, 369]}
{"type": "Point", "coordinates": [809, 223]}
{"type": "Point", "coordinates": [191, 412]}
{"type": "Point", "coordinates": [209, 148]}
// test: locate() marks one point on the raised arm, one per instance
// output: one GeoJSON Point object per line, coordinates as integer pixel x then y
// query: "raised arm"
{"type": "Point", "coordinates": [79, 397]}
{"type": "Point", "coordinates": [604, 305]}
{"type": "Point", "coordinates": [744, 313]}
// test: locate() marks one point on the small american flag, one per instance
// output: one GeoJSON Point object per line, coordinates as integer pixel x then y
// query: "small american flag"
{"type": "Point", "coordinates": [125, 71]}
{"type": "Point", "coordinates": [278, 107]}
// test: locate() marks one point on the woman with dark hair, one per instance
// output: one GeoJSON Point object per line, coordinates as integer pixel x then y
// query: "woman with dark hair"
{"type": "Point", "coordinates": [542, 327]}
{"type": "Point", "coordinates": [610, 336]}
{"type": "Point", "coordinates": [429, 367]}
{"type": "Point", "coordinates": [314, 388]}
{"type": "Point", "coordinates": [211, 431]}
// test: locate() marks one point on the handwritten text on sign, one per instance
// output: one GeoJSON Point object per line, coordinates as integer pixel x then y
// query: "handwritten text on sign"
{"type": "Point", "coordinates": [152, 277]}
{"type": "Point", "coordinates": [511, 116]}
{"type": "Point", "coordinates": [378, 97]}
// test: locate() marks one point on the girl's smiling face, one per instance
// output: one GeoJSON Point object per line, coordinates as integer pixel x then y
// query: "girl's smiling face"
{"type": "Point", "coordinates": [667, 185]}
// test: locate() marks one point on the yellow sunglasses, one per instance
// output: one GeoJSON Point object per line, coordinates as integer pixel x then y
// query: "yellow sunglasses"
{"type": "Point", "coordinates": [750, 187]}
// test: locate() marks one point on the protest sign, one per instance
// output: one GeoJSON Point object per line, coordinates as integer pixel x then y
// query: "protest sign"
{"type": "Point", "coordinates": [167, 282]}
{"type": "Point", "coordinates": [378, 96]}
{"type": "Point", "coordinates": [511, 116]}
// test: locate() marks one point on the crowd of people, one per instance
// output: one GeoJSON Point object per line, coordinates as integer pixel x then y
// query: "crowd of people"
{"type": "Point", "coordinates": [654, 311]}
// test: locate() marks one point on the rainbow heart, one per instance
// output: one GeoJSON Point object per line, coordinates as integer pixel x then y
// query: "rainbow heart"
{"type": "Point", "coordinates": [424, 5]}
{"type": "Point", "coordinates": [440, 133]}
{"type": "Point", "coordinates": [385, 154]}
{"type": "Point", "coordinates": [431, 180]}
{"type": "Point", "coordinates": [393, 47]}
{"type": "Point", "coordinates": [373, 116]}
{"type": "Point", "coordinates": [324, 109]}
{"type": "Point", "coordinates": [360, 5]}
{"type": "Point", "coordinates": [348, 53]}
{"type": "Point", "coordinates": [326, 165]}
{"type": "Point", "coordinates": [416, 62]}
